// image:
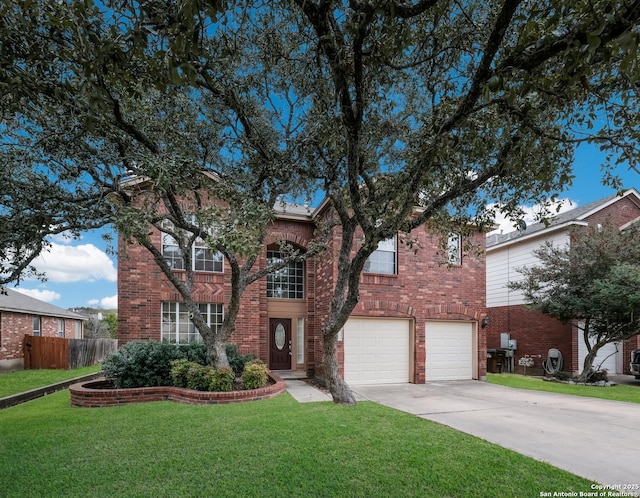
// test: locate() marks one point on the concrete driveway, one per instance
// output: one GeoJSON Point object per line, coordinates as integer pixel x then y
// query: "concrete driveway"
{"type": "Point", "coordinates": [595, 439]}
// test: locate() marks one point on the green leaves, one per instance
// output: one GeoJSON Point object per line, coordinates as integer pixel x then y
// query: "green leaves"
{"type": "Point", "coordinates": [596, 278]}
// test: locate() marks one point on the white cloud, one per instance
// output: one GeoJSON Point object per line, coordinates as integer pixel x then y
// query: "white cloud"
{"type": "Point", "coordinates": [506, 225]}
{"type": "Point", "coordinates": [109, 303]}
{"type": "Point", "coordinates": [106, 302]}
{"type": "Point", "coordinates": [64, 263]}
{"type": "Point", "coordinates": [65, 238]}
{"type": "Point", "coordinates": [43, 295]}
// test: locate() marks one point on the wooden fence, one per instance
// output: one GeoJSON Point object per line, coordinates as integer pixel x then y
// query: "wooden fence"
{"type": "Point", "coordinates": [60, 353]}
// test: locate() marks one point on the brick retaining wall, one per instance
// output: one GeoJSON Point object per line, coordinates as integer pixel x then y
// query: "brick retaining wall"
{"type": "Point", "coordinates": [83, 395]}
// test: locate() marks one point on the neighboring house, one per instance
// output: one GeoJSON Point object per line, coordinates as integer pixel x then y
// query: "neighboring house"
{"type": "Point", "coordinates": [417, 319]}
{"type": "Point", "coordinates": [20, 315]}
{"type": "Point", "coordinates": [534, 332]}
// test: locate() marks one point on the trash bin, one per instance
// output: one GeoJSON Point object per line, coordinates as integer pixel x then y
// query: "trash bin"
{"type": "Point", "coordinates": [495, 361]}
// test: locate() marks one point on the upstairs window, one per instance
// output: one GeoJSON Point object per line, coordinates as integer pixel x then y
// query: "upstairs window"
{"type": "Point", "coordinates": [383, 260]}
{"type": "Point", "coordinates": [287, 282]}
{"type": "Point", "coordinates": [454, 249]}
{"type": "Point", "coordinates": [171, 252]}
{"type": "Point", "coordinates": [202, 257]}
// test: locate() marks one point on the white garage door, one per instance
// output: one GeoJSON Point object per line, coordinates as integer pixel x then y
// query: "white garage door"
{"type": "Point", "coordinates": [450, 351]}
{"type": "Point", "coordinates": [607, 356]}
{"type": "Point", "coordinates": [376, 351]}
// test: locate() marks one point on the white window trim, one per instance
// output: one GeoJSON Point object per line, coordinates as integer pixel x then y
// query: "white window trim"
{"type": "Point", "coordinates": [300, 341]}
{"type": "Point", "coordinates": [384, 246]}
{"type": "Point", "coordinates": [297, 288]}
{"type": "Point", "coordinates": [454, 248]}
{"type": "Point", "coordinates": [169, 241]}
{"type": "Point", "coordinates": [192, 331]}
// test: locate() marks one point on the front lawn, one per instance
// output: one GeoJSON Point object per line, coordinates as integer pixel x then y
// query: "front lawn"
{"type": "Point", "coordinates": [25, 380]}
{"type": "Point", "coordinates": [630, 394]}
{"type": "Point", "coordinates": [275, 447]}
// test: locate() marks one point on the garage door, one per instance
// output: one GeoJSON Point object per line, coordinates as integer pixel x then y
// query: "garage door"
{"type": "Point", "coordinates": [607, 356]}
{"type": "Point", "coordinates": [450, 351]}
{"type": "Point", "coordinates": [376, 351]}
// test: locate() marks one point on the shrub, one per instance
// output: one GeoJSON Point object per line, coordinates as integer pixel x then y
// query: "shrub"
{"type": "Point", "coordinates": [220, 379]}
{"type": "Point", "coordinates": [198, 377]}
{"type": "Point", "coordinates": [201, 377]}
{"type": "Point", "coordinates": [598, 376]}
{"type": "Point", "coordinates": [141, 364]}
{"type": "Point", "coordinates": [195, 352]}
{"type": "Point", "coordinates": [237, 361]}
{"type": "Point", "coordinates": [254, 375]}
{"type": "Point", "coordinates": [179, 370]}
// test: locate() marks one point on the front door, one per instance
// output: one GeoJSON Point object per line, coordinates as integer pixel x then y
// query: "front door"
{"type": "Point", "coordinates": [280, 339]}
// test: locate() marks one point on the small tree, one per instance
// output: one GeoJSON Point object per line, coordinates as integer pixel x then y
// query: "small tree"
{"type": "Point", "coordinates": [593, 282]}
{"type": "Point", "coordinates": [111, 322]}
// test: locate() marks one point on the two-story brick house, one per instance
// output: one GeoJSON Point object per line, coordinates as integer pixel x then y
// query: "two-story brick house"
{"type": "Point", "coordinates": [418, 319]}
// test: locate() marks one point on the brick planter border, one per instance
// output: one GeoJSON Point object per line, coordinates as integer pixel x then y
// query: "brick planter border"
{"type": "Point", "coordinates": [85, 396]}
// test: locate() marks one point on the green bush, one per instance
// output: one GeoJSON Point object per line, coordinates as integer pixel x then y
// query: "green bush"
{"type": "Point", "coordinates": [237, 361]}
{"type": "Point", "coordinates": [179, 370]}
{"type": "Point", "coordinates": [198, 377]}
{"type": "Point", "coordinates": [220, 379]}
{"type": "Point", "coordinates": [153, 363]}
{"type": "Point", "coordinates": [141, 364]}
{"type": "Point", "coordinates": [254, 375]}
{"type": "Point", "coordinates": [201, 378]}
{"type": "Point", "coordinates": [195, 352]}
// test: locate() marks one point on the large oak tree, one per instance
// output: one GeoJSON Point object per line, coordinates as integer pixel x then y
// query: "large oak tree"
{"type": "Point", "coordinates": [383, 105]}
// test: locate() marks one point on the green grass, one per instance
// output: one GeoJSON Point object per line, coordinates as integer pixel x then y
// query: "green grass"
{"type": "Point", "coordinates": [25, 380]}
{"type": "Point", "coordinates": [630, 394]}
{"type": "Point", "coordinates": [275, 447]}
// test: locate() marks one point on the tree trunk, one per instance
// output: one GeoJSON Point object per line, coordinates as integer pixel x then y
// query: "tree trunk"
{"type": "Point", "coordinates": [587, 367]}
{"type": "Point", "coordinates": [340, 390]}
{"type": "Point", "coordinates": [216, 350]}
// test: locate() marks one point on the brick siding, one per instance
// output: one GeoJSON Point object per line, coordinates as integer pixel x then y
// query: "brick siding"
{"type": "Point", "coordinates": [423, 289]}
{"type": "Point", "coordinates": [535, 332]}
{"type": "Point", "coordinates": [14, 326]}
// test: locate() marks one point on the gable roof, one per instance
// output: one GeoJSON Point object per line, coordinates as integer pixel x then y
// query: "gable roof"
{"type": "Point", "coordinates": [562, 220]}
{"type": "Point", "coordinates": [21, 303]}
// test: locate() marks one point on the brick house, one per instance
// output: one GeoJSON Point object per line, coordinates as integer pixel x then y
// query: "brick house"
{"type": "Point", "coordinates": [21, 315]}
{"type": "Point", "coordinates": [417, 319]}
{"type": "Point", "coordinates": [534, 332]}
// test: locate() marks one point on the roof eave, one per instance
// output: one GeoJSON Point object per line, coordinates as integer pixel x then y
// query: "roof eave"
{"type": "Point", "coordinates": [536, 234]}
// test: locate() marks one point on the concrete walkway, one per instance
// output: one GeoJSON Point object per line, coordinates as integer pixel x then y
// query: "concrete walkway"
{"type": "Point", "coordinates": [305, 393]}
{"type": "Point", "coordinates": [596, 439]}
{"type": "Point", "coordinates": [302, 391]}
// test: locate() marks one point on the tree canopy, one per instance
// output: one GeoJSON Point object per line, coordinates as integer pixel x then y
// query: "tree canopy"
{"type": "Point", "coordinates": [457, 108]}
{"type": "Point", "coordinates": [592, 282]}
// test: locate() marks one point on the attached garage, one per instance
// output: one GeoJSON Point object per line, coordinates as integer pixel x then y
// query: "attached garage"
{"type": "Point", "coordinates": [377, 351]}
{"type": "Point", "coordinates": [609, 357]}
{"type": "Point", "coordinates": [451, 350]}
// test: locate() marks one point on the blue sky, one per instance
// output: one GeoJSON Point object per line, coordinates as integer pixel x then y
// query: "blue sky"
{"type": "Point", "coordinates": [81, 273]}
